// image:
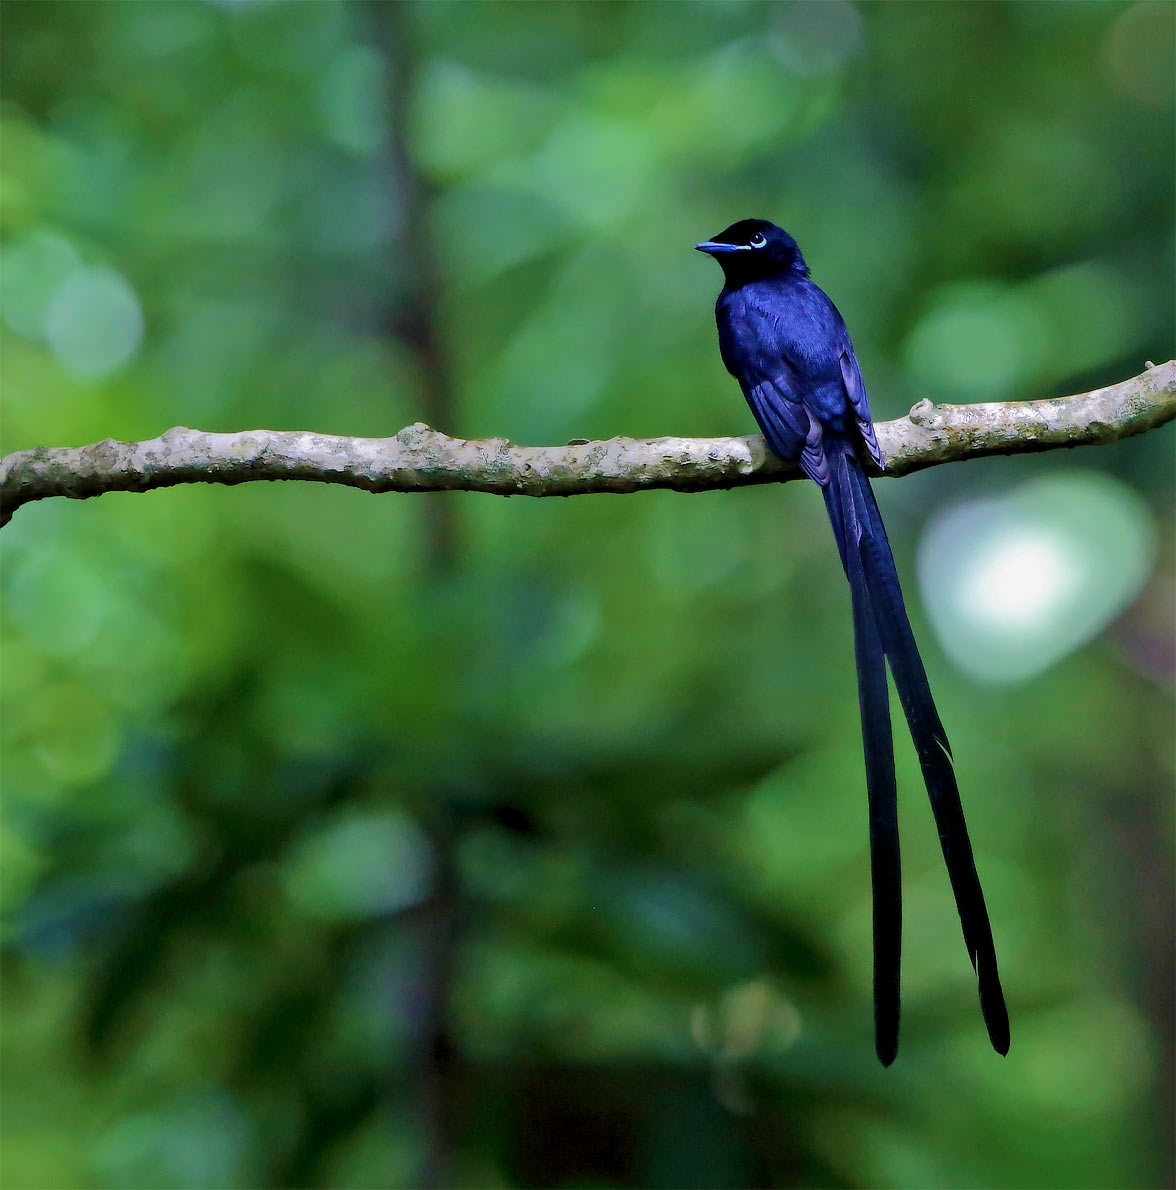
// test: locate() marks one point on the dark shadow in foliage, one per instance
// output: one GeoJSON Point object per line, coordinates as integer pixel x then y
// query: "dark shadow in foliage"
{"type": "Point", "coordinates": [249, 805]}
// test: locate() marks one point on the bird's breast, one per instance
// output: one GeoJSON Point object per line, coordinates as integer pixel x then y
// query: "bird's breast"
{"type": "Point", "coordinates": [766, 328]}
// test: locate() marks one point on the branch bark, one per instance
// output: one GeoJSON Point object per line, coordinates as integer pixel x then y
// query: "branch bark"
{"type": "Point", "coordinates": [419, 459]}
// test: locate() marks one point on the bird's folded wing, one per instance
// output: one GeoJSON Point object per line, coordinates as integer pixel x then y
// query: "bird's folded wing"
{"type": "Point", "coordinates": [855, 390]}
{"type": "Point", "coordinates": [791, 432]}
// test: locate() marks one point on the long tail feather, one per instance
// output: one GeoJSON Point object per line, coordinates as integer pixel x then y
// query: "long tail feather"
{"type": "Point", "coordinates": [878, 741]}
{"type": "Point", "coordinates": [934, 752]}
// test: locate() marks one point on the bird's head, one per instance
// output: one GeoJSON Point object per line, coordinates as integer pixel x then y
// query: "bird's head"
{"type": "Point", "coordinates": [754, 248]}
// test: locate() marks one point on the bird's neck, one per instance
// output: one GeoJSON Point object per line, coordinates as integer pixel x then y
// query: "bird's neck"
{"type": "Point", "coordinates": [781, 277]}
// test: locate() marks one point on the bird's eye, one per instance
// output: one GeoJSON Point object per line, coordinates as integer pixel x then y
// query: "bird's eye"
{"type": "Point", "coordinates": [757, 240]}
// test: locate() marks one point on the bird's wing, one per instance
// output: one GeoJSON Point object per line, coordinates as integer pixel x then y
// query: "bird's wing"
{"type": "Point", "coordinates": [787, 426]}
{"type": "Point", "coordinates": [859, 404]}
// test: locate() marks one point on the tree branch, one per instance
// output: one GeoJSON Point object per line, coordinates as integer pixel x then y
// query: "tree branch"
{"type": "Point", "coordinates": [419, 459]}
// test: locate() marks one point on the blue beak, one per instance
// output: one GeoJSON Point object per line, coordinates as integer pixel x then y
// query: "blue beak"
{"type": "Point", "coordinates": [715, 248]}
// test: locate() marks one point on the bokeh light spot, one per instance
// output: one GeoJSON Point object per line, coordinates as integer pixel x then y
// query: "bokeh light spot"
{"type": "Point", "coordinates": [1012, 585]}
{"type": "Point", "coordinates": [976, 341]}
{"type": "Point", "coordinates": [32, 269]}
{"type": "Point", "coordinates": [94, 323]}
{"type": "Point", "coordinates": [353, 100]}
{"type": "Point", "coordinates": [1020, 580]}
{"type": "Point", "coordinates": [360, 865]}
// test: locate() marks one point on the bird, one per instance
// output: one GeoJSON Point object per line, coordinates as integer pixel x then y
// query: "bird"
{"type": "Point", "coordinates": [787, 345]}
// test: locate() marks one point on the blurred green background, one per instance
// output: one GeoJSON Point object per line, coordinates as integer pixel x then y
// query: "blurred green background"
{"type": "Point", "coordinates": [362, 840]}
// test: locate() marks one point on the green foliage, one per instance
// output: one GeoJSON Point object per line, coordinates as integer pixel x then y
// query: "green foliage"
{"type": "Point", "coordinates": [566, 807]}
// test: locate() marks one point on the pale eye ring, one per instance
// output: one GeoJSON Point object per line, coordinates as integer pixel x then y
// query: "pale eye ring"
{"type": "Point", "coordinates": [758, 240]}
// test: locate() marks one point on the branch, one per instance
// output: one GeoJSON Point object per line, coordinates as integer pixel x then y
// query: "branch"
{"type": "Point", "coordinates": [419, 459]}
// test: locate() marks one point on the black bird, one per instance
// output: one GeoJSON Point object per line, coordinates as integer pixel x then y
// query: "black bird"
{"type": "Point", "coordinates": [785, 342]}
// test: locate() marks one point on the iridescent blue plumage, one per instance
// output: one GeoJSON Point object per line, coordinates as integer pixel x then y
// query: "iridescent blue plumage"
{"type": "Point", "coordinates": [785, 342]}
